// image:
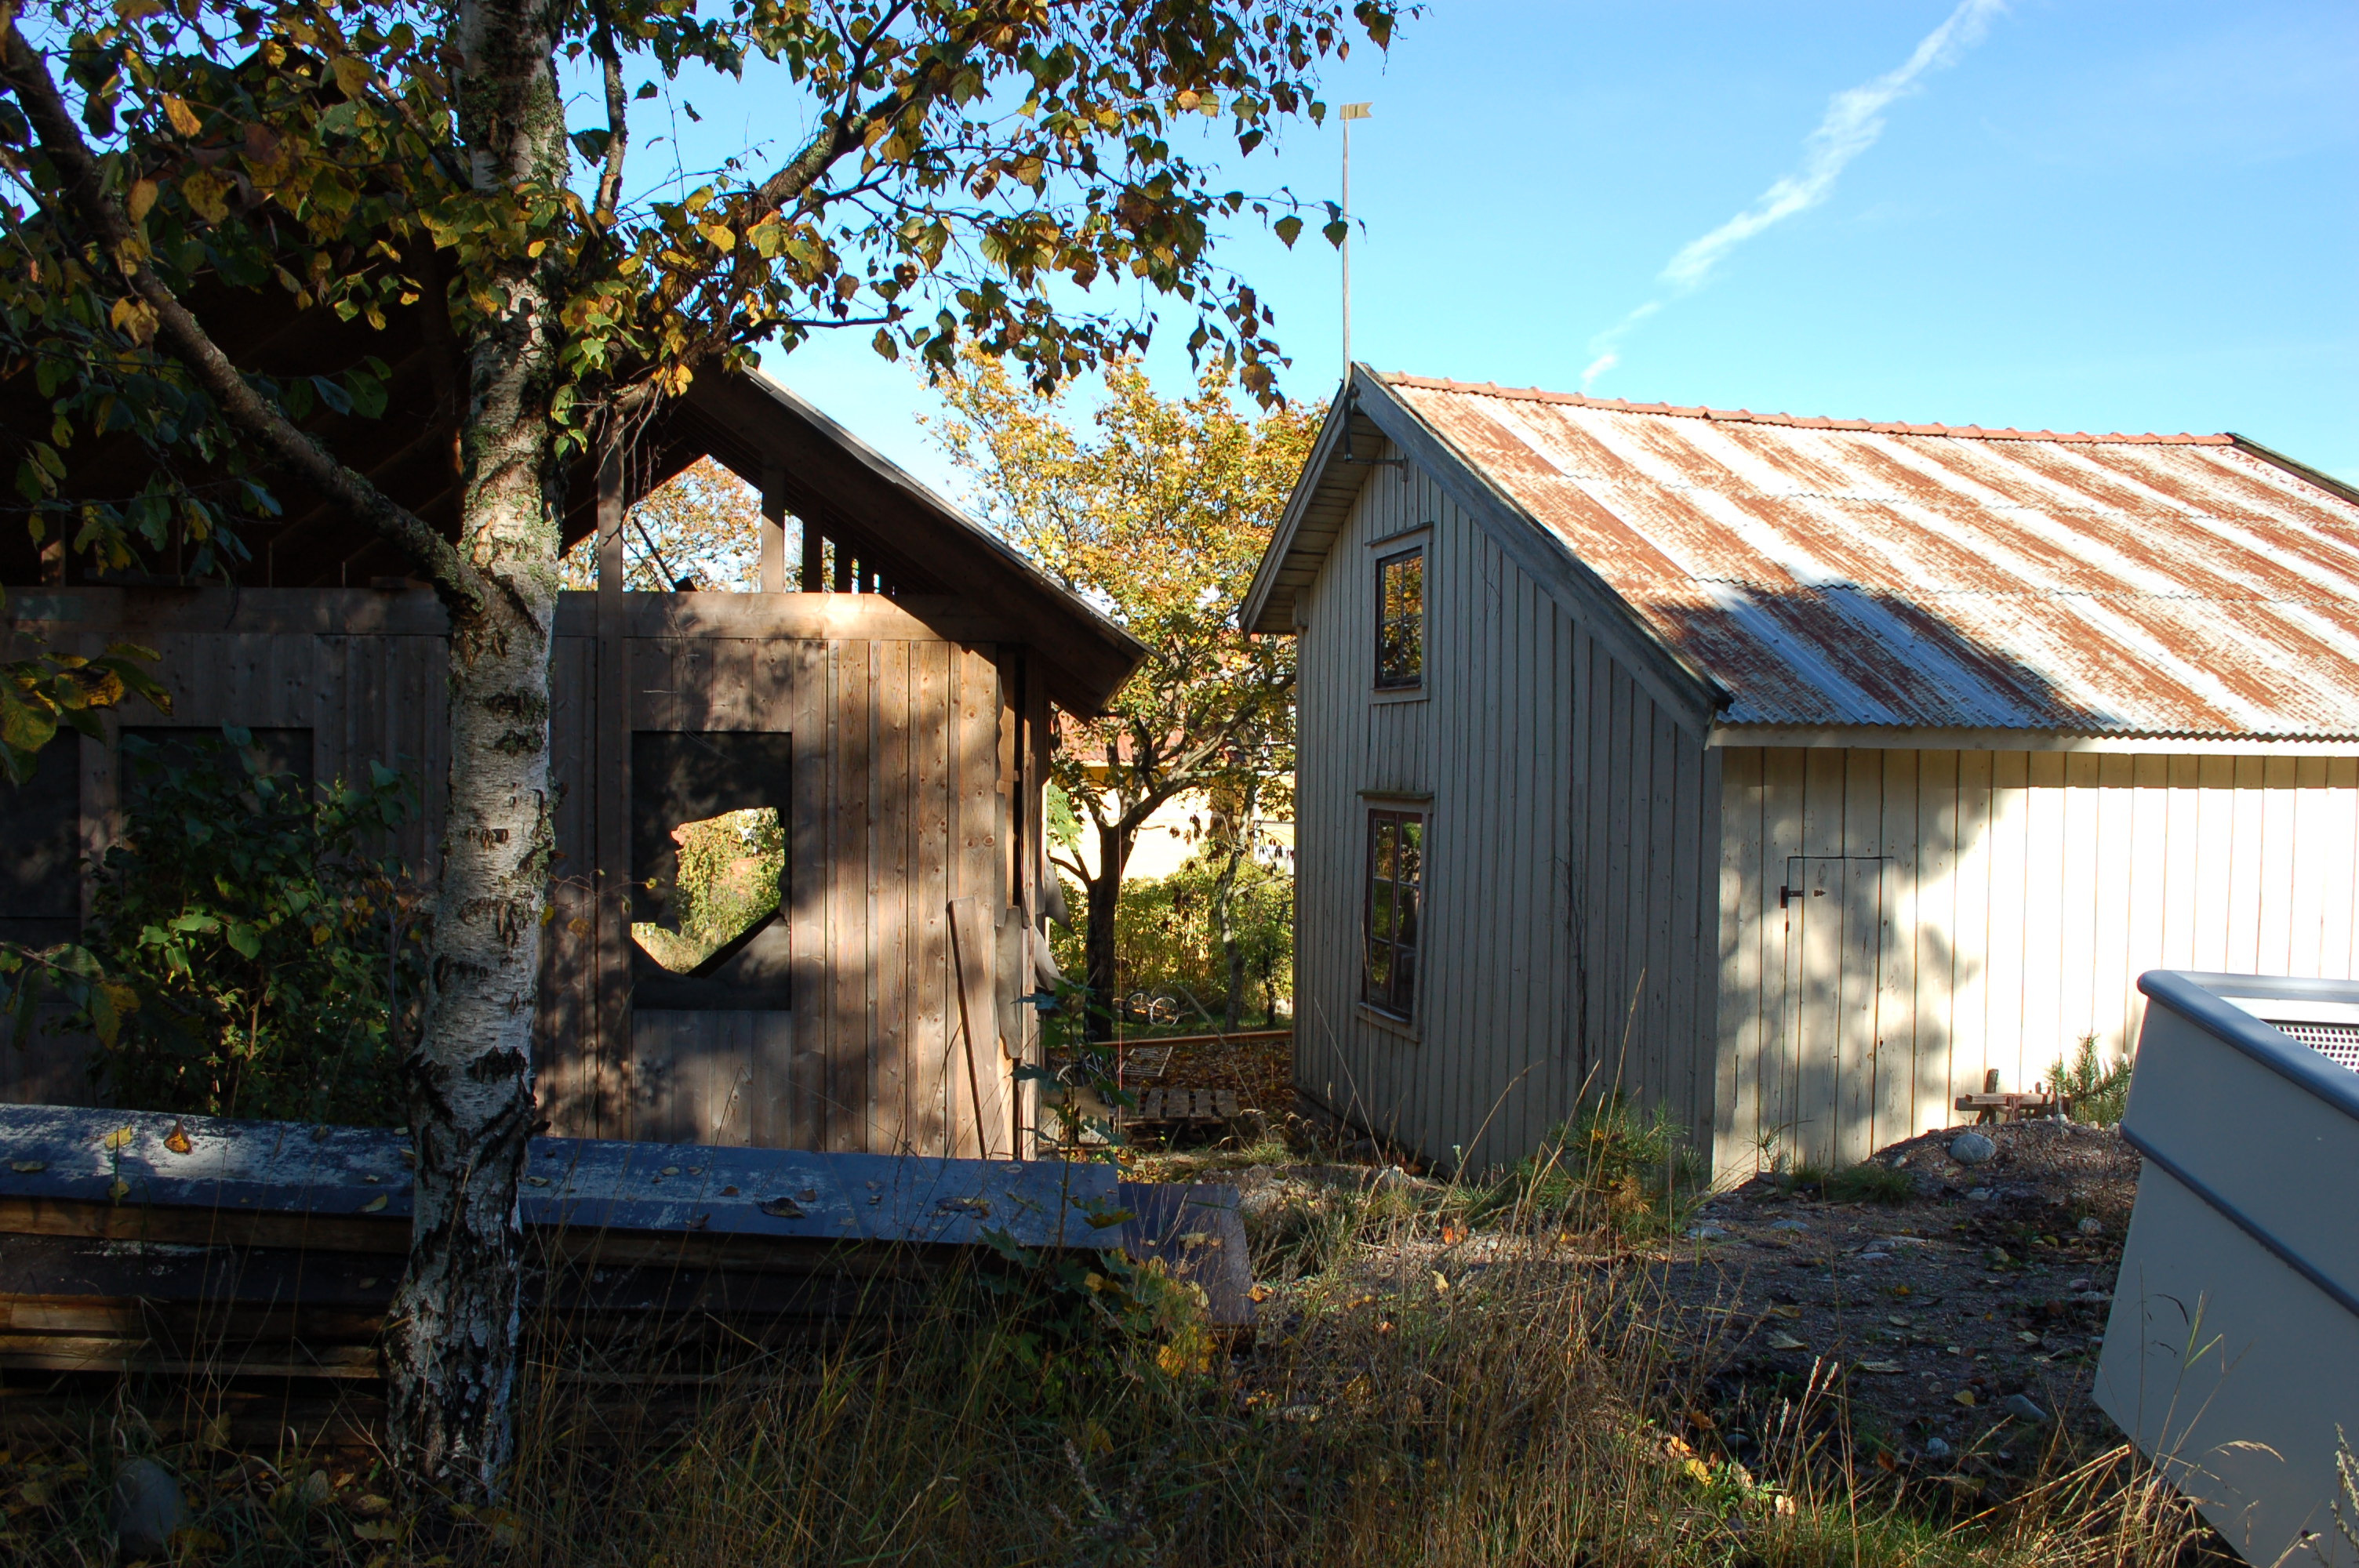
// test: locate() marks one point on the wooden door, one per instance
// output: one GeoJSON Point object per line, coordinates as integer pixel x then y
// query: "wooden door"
{"type": "Point", "coordinates": [1839, 937]}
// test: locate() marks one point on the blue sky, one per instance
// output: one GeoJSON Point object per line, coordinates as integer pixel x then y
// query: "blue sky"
{"type": "Point", "coordinates": [2078, 214]}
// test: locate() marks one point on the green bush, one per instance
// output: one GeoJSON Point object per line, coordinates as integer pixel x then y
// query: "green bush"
{"type": "Point", "coordinates": [2100, 1094]}
{"type": "Point", "coordinates": [1168, 939]}
{"type": "Point", "coordinates": [1632, 1168]}
{"type": "Point", "coordinates": [262, 956]}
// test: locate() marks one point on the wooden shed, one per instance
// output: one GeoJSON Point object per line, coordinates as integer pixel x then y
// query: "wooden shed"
{"type": "Point", "coordinates": [883, 705]}
{"type": "Point", "coordinates": [1790, 772]}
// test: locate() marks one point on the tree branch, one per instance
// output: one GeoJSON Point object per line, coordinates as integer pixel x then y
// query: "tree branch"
{"type": "Point", "coordinates": [618, 121]}
{"type": "Point", "coordinates": [27, 74]}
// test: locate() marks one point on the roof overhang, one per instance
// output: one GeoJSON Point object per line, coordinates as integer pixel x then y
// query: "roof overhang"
{"type": "Point", "coordinates": [1910, 738]}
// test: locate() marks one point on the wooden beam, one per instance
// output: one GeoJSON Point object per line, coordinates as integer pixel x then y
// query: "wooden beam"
{"type": "Point", "coordinates": [774, 531]}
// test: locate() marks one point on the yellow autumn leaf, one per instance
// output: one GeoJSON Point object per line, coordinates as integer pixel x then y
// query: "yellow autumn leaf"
{"type": "Point", "coordinates": [183, 118]}
{"type": "Point", "coordinates": [208, 193]}
{"type": "Point", "coordinates": [721, 236]}
{"type": "Point", "coordinates": [119, 1139]}
{"type": "Point", "coordinates": [118, 1189]}
{"type": "Point", "coordinates": [143, 198]}
{"type": "Point", "coordinates": [135, 318]}
{"type": "Point", "coordinates": [374, 1204]}
{"type": "Point", "coordinates": [352, 76]}
{"type": "Point", "coordinates": [27, 1167]}
{"type": "Point", "coordinates": [379, 1529]}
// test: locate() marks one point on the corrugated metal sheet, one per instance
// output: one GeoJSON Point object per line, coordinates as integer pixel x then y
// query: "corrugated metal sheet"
{"type": "Point", "coordinates": [1836, 572]}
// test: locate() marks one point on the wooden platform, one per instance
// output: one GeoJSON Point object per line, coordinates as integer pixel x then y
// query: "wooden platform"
{"type": "Point", "coordinates": [250, 1265]}
{"type": "Point", "coordinates": [1184, 1106]}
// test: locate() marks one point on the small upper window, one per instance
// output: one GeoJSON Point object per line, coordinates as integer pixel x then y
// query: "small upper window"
{"type": "Point", "coordinates": [1400, 620]}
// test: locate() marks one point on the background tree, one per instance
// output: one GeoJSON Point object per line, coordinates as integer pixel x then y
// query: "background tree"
{"type": "Point", "coordinates": [702, 526]}
{"type": "Point", "coordinates": [954, 167]}
{"type": "Point", "coordinates": [1159, 517]}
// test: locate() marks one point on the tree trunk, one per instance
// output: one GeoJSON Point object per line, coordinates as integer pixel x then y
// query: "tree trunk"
{"type": "Point", "coordinates": [451, 1351]}
{"type": "Point", "coordinates": [1098, 929]}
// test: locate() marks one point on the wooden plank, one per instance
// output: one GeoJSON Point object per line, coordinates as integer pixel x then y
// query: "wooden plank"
{"type": "Point", "coordinates": [2337, 870]}
{"type": "Point", "coordinates": [1892, 1061]}
{"type": "Point", "coordinates": [931, 1123]}
{"type": "Point", "coordinates": [1785, 774]}
{"type": "Point", "coordinates": [794, 1104]}
{"type": "Point", "coordinates": [610, 764]}
{"type": "Point", "coordinates": [2009, 890]}
{"type": "Point", "coordinates": [1935, 959]}
{"type": "Point", "coordinates": [977, 869]}
{"type": "Point", "coordinates": [852, 952]}
{"type": "Point", "coordinates": [892, 784]}
{"type": "Point", "coordinates": [981, 1117]}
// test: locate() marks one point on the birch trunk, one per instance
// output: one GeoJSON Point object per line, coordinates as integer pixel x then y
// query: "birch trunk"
{"type": "Point", "coordinates": [452, 1347]}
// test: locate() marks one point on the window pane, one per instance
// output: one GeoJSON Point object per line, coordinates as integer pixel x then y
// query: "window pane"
{"type": "Point", "coordinates": [1404, 979]}
{"type": "Point", "coordinates": [1383, 828]}
{"type": "Point", "coordinates": [1412, 848]}
{"type": "Point", "coordinates": [1379, 970]}
{"type": "Point", "coordinates": [1380, 912]}
{"type": "Point", "coordinates": [1404, 914]}
{"type": "Point", "coordinates": [1400, 620]}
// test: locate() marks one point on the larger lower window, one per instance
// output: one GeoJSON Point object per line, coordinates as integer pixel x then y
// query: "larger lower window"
{"type": "Point", "coordinates": [1400, 620]}
{"type": "Point", "coordinates": [1394, 909]}
{"type": "Point", "coordinates": [708, 869]}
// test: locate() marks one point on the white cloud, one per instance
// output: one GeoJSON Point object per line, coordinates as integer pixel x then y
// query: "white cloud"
{"type": "Point", "coordinates": [1852, 121]}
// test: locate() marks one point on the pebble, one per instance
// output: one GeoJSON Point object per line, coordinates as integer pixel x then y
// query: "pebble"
{"type": "Point", "coordinates": [1936, 1449]}
{"type": "Point", "coordinates": [1875, 1257]}
{"type": "Point", "coordinates": [2023, 1409]}
{"type": "Point", "coordinates": [2093, 1225]}
{"type": "Point", "coordinates": [148, 1509]}
{"type": "Point", "coordinates": [1971, 1148]}
{"type": "Point", "coordinates": [2076, 1285]}
{"type": "Point", "coordinates": [1789, 1225]}
{"type": "Point", "coordinates": [1979, 1195]}
{"type": "Point", "coordinates": [1706, 1232]}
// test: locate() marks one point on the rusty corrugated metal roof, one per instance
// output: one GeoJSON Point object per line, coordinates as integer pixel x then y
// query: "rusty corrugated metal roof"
{"type": "Point", "coordinates": [1832, 572]}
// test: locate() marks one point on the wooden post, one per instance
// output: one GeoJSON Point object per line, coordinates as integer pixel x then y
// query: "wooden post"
{"type": "Point", "coordinates": [812, 545]}
{"type": "Point", "coordinates": [610, 760]}
{"type": "Point", "coordinates": [774, 531]}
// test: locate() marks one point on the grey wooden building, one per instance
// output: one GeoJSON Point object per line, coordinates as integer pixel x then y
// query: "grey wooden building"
{"type": "Point", "coordinates": [1790, 772]}
{"type": "Point", "coordinates": [883, 707]}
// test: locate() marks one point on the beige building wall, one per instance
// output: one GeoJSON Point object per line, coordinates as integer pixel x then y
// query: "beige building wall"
{"type": "Point", "coordinates": [1948, 912]}
{"type": "Point", "coordinates": [1570, 851]}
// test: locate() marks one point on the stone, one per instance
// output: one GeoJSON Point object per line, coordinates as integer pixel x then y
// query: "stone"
{"type": "Point", "coordinates": [1979, 1195]}
{"type": "Point", "coordinates": [1789, 1225]}
{"type": "Point", "coordinates": [147, 1507]}
{"type": "Point", "coordinates": [2093, 1225]}
{"type": "Point", "coordinates": [2023, 1409]}
{"type": "Point", "coordinates": [1936, 1449]}
{"type": "Point", "coordinates": [1971, 1148]}
{"type": "Point", "coordinates": [2077, 1285]}
{"type": "Point", "coordinates": [1706, 1232]}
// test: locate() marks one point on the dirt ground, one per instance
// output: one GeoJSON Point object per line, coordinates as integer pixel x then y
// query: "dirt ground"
{"type": "Point", "coordinates": [1991, 1285]}
{"type": "Point", "coordinates": [1931, 1320]}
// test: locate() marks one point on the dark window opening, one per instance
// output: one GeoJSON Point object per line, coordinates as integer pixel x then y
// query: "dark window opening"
{"type": "Point", "coordinates": [1394, 911]}
{"type": "Point", "coordinates": [40, 847]}
{"type": "Point", "coordinates": [1400, 620]}
{"type": "Point", "coordinates": [708, 817]}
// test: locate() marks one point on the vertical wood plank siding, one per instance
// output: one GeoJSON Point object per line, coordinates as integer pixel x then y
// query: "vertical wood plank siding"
{"type": "Point", "coordinates": [2013, 897]}
{"type": "Point", "coordinates": [904, 765]}
{"type": "Point", "coordinates": [1569, 942]}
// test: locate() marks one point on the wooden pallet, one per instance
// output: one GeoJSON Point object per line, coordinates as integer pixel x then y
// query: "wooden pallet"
{"type": "Point", "coordinates": [1186, 1104]}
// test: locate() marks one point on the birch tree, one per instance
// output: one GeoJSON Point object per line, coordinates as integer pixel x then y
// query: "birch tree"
{"type": "Point", "coordinates": [1033, 179]}
{"type": "Point", "coordinates": [1159, 517]}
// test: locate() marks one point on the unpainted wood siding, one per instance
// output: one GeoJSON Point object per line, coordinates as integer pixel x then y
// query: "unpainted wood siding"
{"type": "Point", "coordinates": [1570, 859]}
{"type": "Point", "coordinates": [907, 780]}
{"type": "Point", "coordinates": [2001, 906]}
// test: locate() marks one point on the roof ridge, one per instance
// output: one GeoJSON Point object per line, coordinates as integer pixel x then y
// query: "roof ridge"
{"type": "Point", "coordinates": [1798, 421]}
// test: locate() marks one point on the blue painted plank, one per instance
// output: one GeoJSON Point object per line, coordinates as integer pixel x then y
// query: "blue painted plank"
{"type": "Point", "coordinates": [134, 1158]}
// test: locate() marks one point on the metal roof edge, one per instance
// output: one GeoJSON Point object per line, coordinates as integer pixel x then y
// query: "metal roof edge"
{"type": "Point", "coordinates": [1998, 738]}
{"type": "Point", "coordinates": [1256, 604]}
{"type": "Point", "coordinates": [1592, 596]}
{"type": "Point", "coordinates": [2299, 469]}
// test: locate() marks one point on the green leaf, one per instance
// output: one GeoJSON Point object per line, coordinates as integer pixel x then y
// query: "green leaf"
{"type": "Point", "coordinates": [1288, 229]}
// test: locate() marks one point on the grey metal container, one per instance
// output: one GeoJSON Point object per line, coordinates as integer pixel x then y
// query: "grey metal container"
{"type": "Point", "coordinates": [2232, 1356]}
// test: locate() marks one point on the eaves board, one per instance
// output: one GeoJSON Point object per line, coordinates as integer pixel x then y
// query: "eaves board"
{"type": "Point", "coordinates": [1668, 678]}
{"type": "Point", "coordinates": [1307, 529]}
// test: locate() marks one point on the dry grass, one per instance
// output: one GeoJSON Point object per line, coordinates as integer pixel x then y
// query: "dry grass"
{"type": "Point", "coordinates": [1534, 1410]}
